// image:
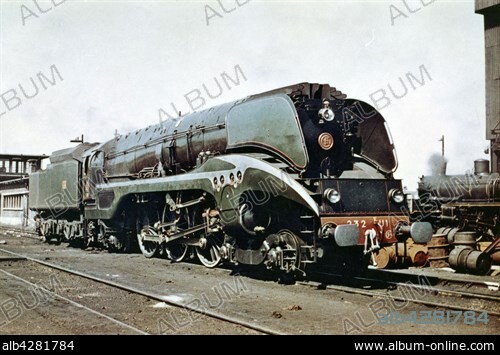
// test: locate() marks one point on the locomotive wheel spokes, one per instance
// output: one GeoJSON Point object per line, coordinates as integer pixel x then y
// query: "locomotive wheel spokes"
{"type": "Point", "coordinates": [101, 234]}
{"type": "Point", "coordinates": [209, 254]}
{"type": "Point", "coordinates": [90, 234]}
{"type": "Point", "coordinates": [176, 252]}
{"type": "Point", "coordinates": [288, 265]}
{"type": "Point", "coordinates": [148, 248]}
{"type": "Point", "coordinates": [67, 232]}
{"type": "Point", "coordinates": [44, 230]}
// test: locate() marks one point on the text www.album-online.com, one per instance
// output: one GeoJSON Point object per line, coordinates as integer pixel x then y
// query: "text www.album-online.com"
{"type": "Point", "coordinates": [433, 346]}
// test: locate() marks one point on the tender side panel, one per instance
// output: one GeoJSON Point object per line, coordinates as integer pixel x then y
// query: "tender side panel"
{"type": "Point", "coordinates": [56, 188]}
{"type": "Point", "coordinates": [34, 190]}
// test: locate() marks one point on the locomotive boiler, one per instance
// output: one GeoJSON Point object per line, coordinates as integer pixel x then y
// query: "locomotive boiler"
{"type": "Point", "coordinates": [290, 177]}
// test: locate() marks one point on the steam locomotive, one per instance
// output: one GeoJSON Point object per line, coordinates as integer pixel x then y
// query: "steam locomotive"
{"type": "Point", "coordinates": [469, 202]}
{"type": "Point", "coordinates": [294, 176]}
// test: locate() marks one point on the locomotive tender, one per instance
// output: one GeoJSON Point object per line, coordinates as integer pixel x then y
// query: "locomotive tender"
{"type": "Point", "coordinates": [290, 177]}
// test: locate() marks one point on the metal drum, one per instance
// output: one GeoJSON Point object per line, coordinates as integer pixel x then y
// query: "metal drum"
{"type": "Point", "coordinates": [443, 230]}
{"type": "Point", "coordinates": [419, 254]}
{"type": "Point", "coordinates": [438, 248]}
{"type": "Point", "coordinates": [450, 233]}
{"type": "Point", "coordinates": [384, 257]}
{"type": "Point", "coordinates": [416, 254]}
{"type": "Point", "coordinates": [466, 240]}
{"type": "Point", "coordinates": [466, 260]}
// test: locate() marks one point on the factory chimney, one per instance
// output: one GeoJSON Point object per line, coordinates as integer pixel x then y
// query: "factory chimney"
{"type": "Point", "coordinates": [490, 9]}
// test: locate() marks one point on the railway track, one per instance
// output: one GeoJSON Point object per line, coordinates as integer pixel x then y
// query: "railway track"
{"type": "Point", "coordinates": [439, 294]}
{"type": "Point", "coordinates": [435, 290]}
{"type": "Point", "coordinates": [220, 317]}
{"type": "Point", "coordinates": [70, 301]}
{"type": "Point", "coordinates": [20, 233]}
{"type": "Point", "coordinates": [432, 294]}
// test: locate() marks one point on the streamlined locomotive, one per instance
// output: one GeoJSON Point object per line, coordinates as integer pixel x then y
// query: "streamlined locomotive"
{"type": "Point", "coordinates": [290, 177]}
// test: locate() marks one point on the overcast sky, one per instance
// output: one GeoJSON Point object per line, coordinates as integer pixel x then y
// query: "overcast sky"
{"type": "Point", "coordinates": [115, 64]}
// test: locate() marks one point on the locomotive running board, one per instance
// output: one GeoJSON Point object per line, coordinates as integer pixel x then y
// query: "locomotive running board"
{"type": "Point", "coordinates": [255, 174]}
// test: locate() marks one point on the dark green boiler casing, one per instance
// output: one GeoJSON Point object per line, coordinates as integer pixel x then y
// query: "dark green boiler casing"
{"type": "Point", "coordinates": [267, 124]}
{"type": "Point", "coordinates": [281, 123]}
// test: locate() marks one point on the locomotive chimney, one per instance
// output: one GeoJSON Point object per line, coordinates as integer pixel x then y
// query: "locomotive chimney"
{"type": "Point", "coordinates": [437, 164]}
{"type": "Point", "coordinates": [442, 168]}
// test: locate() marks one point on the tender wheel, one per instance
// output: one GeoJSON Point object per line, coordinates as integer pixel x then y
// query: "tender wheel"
{"type": "Point", "coordinates": [44, 231]}
{"type": "Point", "coordinates": [209, 254]}
{"type": "Point", "coordinates": [68, 230]}
{"type": "Point", "coordinates": [56, 239]}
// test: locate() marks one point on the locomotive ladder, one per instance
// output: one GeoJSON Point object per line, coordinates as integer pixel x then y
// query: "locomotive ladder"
{"type": "Point", "coordinates": [308, 234]}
